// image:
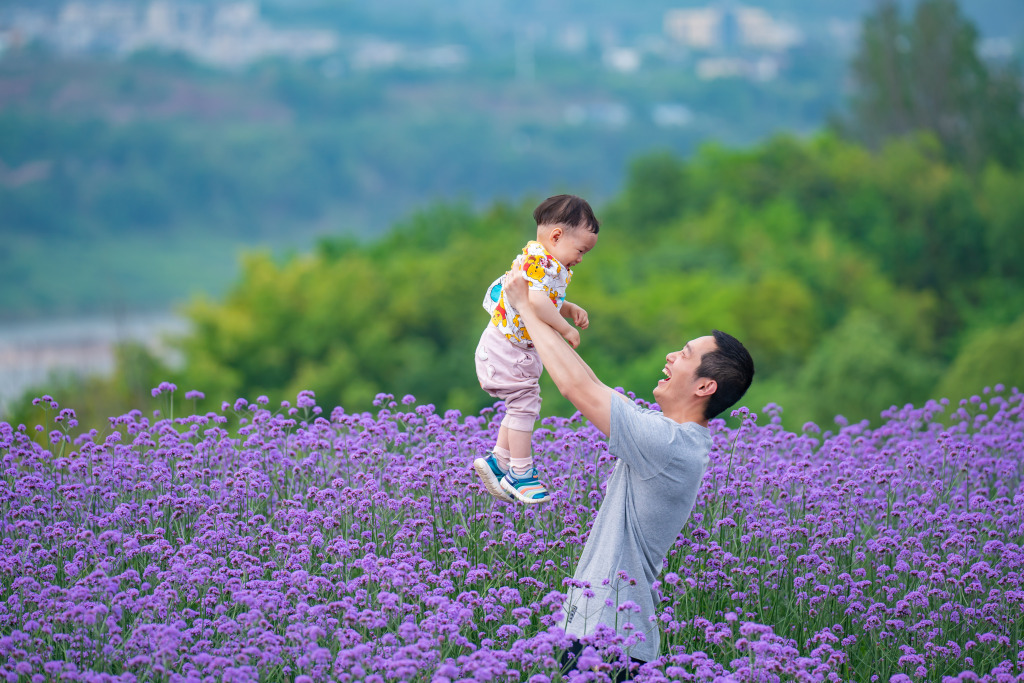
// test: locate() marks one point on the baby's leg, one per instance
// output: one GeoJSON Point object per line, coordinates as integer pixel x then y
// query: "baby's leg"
{"type": "Point", "coordinates": [521, 450]}
{"type": "Point", "coordinates": [501, 448]}
{"type": "Point", "coordinates": [522, 411]}
{"type": "Point", "coordinates": [522, 480]}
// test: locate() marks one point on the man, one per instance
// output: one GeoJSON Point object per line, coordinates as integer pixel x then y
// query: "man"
{"type": "Point", "coordinates": [661, 461]}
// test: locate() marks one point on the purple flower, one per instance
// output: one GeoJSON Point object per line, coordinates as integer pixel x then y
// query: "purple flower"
{"type": "Point", "coordinates": [163, 387]}
{"type": "Point", "coordinates": [363, 545]}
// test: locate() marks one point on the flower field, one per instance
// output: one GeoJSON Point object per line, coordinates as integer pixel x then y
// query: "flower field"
{"type": "Point", "coordinates": [263, 543]}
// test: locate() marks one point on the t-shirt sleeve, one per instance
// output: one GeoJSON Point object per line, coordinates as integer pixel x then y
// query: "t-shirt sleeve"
{"type": "Point", "coordinates": [493, 294]}
{"type": "Point", "coordinates": [646, 440]}
{"type": "Point", "coordinates": [533, 268]}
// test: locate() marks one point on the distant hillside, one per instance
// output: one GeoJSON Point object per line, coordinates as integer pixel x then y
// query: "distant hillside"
{"type": "Point", "coordinates": [134, 182]}
{"type": "Point", "coordinates": [158, 155]}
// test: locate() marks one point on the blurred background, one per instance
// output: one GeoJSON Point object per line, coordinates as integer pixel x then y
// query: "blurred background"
{"type": "Point", "coordinates": [255, 197]}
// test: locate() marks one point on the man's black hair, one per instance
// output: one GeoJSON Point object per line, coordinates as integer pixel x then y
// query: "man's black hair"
{"type": "Point", "coordinates": [732, 368]}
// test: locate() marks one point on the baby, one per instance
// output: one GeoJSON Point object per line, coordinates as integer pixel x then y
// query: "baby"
{"type": "Point", "coordinates": [507, 365]}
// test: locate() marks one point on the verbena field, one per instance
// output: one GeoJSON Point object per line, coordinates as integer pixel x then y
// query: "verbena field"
{"type": "Point", "coordinates": [264, 544]}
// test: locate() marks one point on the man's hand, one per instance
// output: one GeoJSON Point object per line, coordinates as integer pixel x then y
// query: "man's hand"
{"type": "Point", "coordinates": [518, 294]}
{"type": "Point", "coordinates": [516, 290]}
{"type": "Point", "coordinates": [572, 335]}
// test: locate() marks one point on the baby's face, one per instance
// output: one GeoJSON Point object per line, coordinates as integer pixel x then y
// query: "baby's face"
{"type": "Point", "coordinates": [569, 246]}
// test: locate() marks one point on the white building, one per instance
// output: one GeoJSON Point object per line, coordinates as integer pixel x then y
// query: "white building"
{"type": "Point", "coordinates": [622, 59]}
{"type": "Point", "coordinates": [725, 26]}
{"type": "Point", "coordinates": [671, 115]}
{"type": "Point", "coordinates": [695, 28]}
{"type": "Point", "coordinates": [229, 33]}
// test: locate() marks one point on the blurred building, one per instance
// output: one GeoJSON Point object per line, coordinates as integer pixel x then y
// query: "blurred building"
{"type": "Point", "coordinates": [730, 40]}
{"type": "Point", "coordinates": [230, 33]}
{"type": "Point", "coordinates": [762, 69]}
{"type": "Point", "coordinates": [611, 115]}
{"type": "Point", "coordinates": [37, 353]}
{"type": "Point", "coordinates": [728, 26]}
{"type": "Point", "coordinates": [622, 59]}
{"type": "Point", "coordinates": [671, 115]}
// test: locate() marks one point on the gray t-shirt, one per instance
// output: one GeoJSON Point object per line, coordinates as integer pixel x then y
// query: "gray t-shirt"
{"type": "Point", "coordinates": [649, 497]}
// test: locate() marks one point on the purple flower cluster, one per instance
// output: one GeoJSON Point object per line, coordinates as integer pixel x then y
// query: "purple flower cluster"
{"type": "Point", "coordinates": [282, 544]}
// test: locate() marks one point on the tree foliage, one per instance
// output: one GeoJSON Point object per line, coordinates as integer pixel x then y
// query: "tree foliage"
{"type": "Point", "coordinates": [851, 275]}
{"type": "Point", "coordinates": [925, 74]}
{"type": "Point", "coordinates": [858, 279]}
{"type": "Point", "coordinates": [991, 356]}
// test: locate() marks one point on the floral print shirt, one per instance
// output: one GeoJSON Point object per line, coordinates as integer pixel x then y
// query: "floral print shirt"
{"type": "Point", "coordinates": [544, 273]}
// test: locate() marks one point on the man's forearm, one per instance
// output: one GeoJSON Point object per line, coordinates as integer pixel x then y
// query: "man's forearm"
{"type": "Point", "coordinates": [547, 312]}
{"type": "Point", "coordinates": [573, 377]}
{"type": "Point", "coordinates": [562, 363]}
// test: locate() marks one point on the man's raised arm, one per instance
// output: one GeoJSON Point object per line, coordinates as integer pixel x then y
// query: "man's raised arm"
{"type": "Point", "coordinates": [571, 375]}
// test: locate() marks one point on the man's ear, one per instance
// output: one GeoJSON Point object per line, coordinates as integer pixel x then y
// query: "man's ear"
{"type": "Point", "coordinates": [707, 387]}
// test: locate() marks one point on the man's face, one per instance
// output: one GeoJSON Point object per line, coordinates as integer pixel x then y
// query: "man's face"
{"type": "Point", "coordinates": [681, 368]}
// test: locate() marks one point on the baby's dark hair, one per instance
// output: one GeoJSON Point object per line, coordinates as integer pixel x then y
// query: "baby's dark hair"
{"type": "Point", "coordinates": [566, 209]}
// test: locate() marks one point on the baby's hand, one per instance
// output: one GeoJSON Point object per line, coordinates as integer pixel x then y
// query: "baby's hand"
{"type": "Point", "coordinates": [579, 316]}
{"type": "Point", "coordinates": [572, 335]}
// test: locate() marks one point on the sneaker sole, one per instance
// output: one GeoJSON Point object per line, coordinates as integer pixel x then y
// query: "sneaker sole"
{"type": "Point", "coordinates": [511, 490]}
{"type": "Point", "coordinates": [493, 486]}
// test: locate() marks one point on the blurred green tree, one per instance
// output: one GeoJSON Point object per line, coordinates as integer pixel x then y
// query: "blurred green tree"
{"type": "Point", "coordinates": [853, 276]}
{"type": "Point", "coordinates": [926, 74]}
{"type": "Point", "coordinates": [989, 357]}
{"type": "Point", "coordinates": [862, 368]}
{"type": "Point", "coordinates": [655, 193]}
{"type": "Point", "coordinates": [349, 322]}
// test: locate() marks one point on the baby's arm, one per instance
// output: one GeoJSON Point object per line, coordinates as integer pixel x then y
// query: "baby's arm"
{"type": "Point", "coordinates": [575, 313]}
{"type": "Point", "coordinates": [548, 313]}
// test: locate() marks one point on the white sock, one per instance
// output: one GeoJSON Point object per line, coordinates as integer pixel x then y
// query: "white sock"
{"type": "Point", "coordinates": [521, 466]}
{"type": "Point", "coordinates": [502, 455]}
